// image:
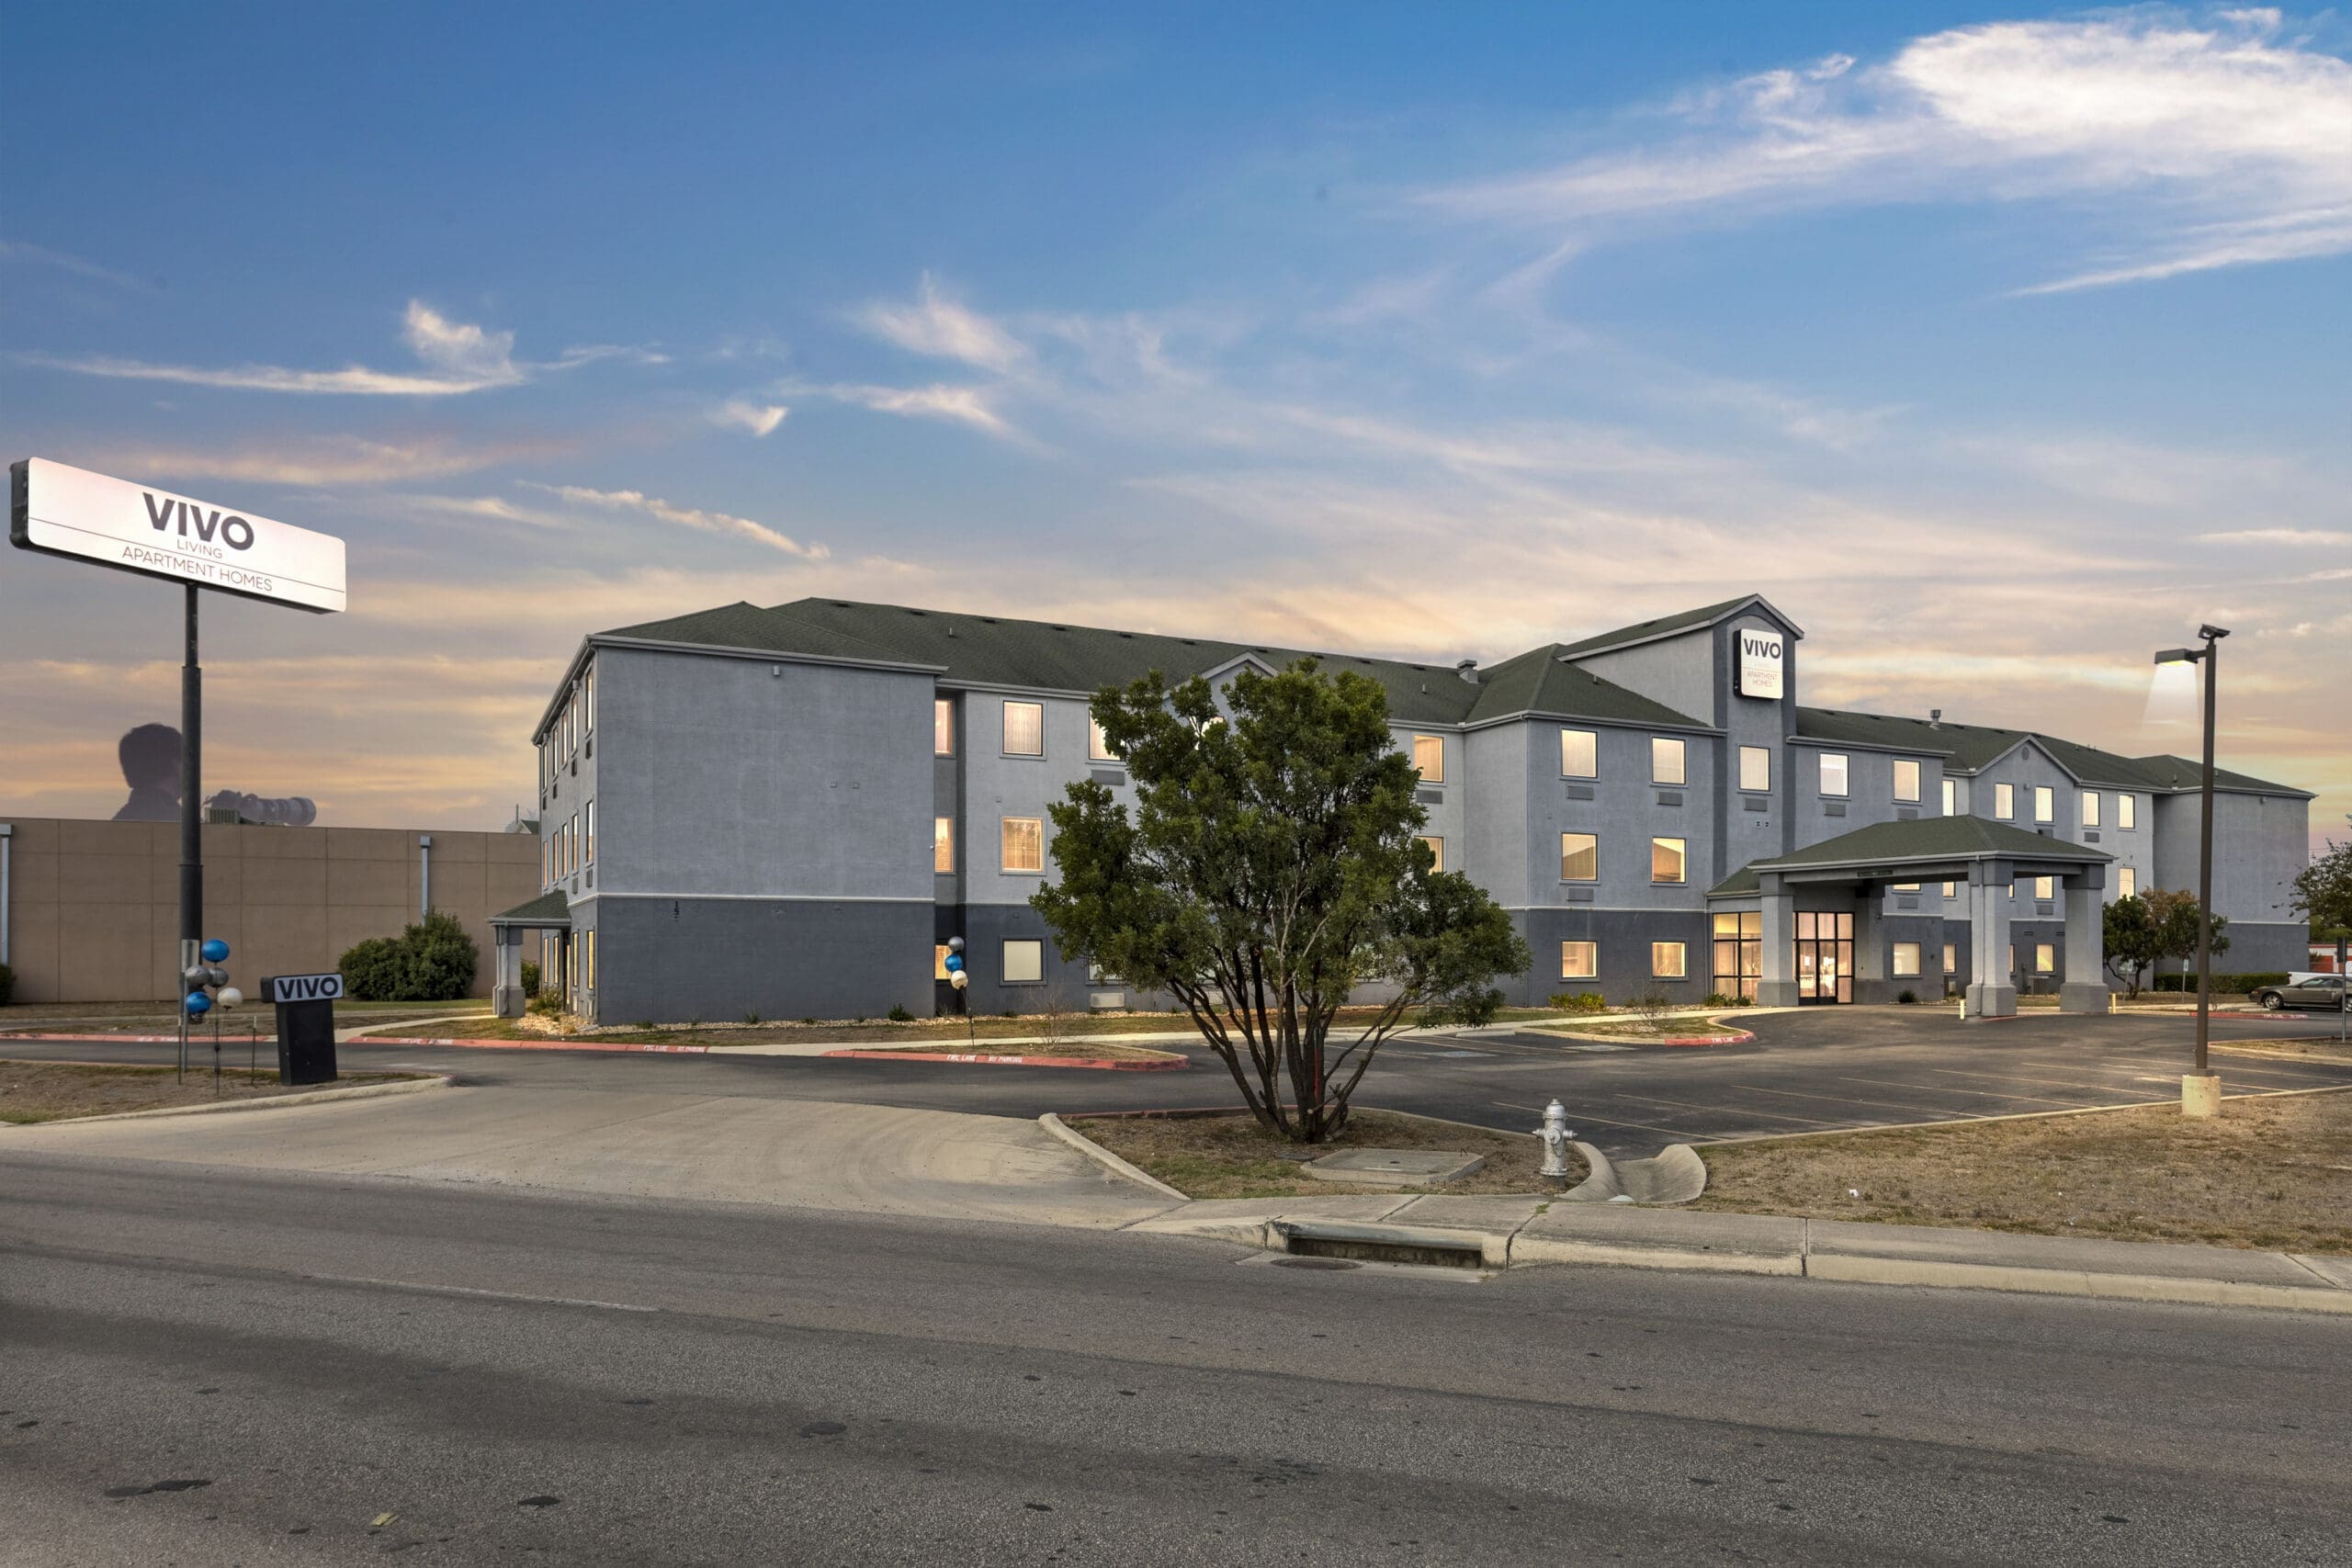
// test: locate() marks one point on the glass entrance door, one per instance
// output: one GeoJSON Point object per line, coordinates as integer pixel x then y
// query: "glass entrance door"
{"type": "Point", "coordinates": [1825, 958]}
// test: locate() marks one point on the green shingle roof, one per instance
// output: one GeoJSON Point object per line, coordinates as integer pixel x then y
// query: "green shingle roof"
{"type": "Point", "coordinates": [1925, 840]}
{"type": "Point", "coordinates": [746, 625]}
{"type": "Point", "coordinates": [1543, 680]}
{"type": "Point", "coordinates": [1968, 748]}
{"type": "Point", "coordinates": [1663, 625]}
{"type": "Point", "coordinates": [547, 909]}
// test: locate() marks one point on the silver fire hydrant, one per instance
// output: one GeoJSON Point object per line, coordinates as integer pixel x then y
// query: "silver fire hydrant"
{"type": "Point", "coordinates": [1555, 1136]}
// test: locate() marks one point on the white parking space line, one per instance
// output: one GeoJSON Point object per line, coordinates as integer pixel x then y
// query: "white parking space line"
{"type": "Point", "coordinates": [1848, 1100]}
{"type": "Point", "coordinates": [1985, 1093]}
{"type": "Point", "coordinates": [1720, 1110]}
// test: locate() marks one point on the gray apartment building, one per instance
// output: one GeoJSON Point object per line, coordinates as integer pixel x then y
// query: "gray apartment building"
{"type": "Point", "coordinates": [733, 804]}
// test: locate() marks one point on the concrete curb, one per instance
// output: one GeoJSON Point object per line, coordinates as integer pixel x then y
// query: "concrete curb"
{"type": "Point", "coordinates": [273, 1102]}
{"type": "Point", "coordinates": [1104, 1157]}
{"type": "Point", "coordinates": [983, 1059]}
{"type": "Point", "coordinates": [532, 1045]}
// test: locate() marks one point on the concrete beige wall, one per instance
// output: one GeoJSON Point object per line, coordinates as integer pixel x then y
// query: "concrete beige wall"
{"type": "Point", "coordinates": [93, 906]}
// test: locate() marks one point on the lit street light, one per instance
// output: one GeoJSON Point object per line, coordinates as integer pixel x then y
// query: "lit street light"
{"type": "Point", "coordinates": [2200, 1091]}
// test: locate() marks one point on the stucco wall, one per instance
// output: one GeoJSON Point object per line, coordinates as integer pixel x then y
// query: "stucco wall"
{"type": "Point", "coordinates": [93, 906]}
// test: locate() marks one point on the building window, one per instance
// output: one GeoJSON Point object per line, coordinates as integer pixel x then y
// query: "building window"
{"type": "Point", "coordinates": [1951, 798]}
{"type": "Point", "coordinates": [2005, 801]}
{"type": "Point", "coordinates": [1098, 745]}
{"type": "Point", "coordinates": [1950, 888]}
{"type": "Point", "coordinates": [942, 727]}
{"type": "Point", "coordinates": [2045, 958]}
{"type": "Point", "coordinates": [1756, 768]}
{"type": "Point", "coordinates": [2126, 811]}
{"type": "Point", "coordinates": [1906, 887]}
{"type": "Point", "coordinates": [1024, 729]}
{"type": "Point", "coordinates": [1906, 779]}
{"type": "Point", "coordinates": [943, 843]}
{"type": "Point", "coordinates": [1579, 960]}
{"type": "Point", "coordinates": [1666, 761]}
{"type": "Point", "coordinates": [589, 846]}
{"type": "Point", "coordinates": [1667, 858]}
{"type": "Point", "coordinates": [2045, 804]}
{"type": "Point", "coordinates": [1428, 756]}
{"type": "Point", "coordinates": [572, 844]}
{"type": "Point", "coordinates": [1739, 953]}
{"type": "Point", "coordinates": [939, 961]}
{"type": "Point", "coordinates": [2045, 887]}
{"type": "Point", "coordinates": [588, 694]}
{"type": "Point", "coordinates": [1580, 755]}
{"type": "Point", "coordinates": [2090, 808]}
{"type": "Point", "coordinates": [1024, 959]}
{"type": "Point", "coordinates": [1025, 843]}
{"type": "Point", "coordinates": [2126, 883]}
{"type": "Point", "coordinates": [1669, 960]}
{"type": "Point", "coordinates": [1579, 857]}
{"type": "Point", "coordinates": [1951, 959]}
{"type": "Point", "coordinates": [1437, 853]}
{"type": "Point", "coordinates": [1833, 773]}
{"type": "Point", "coordinates": [588, 960]}
{"type": "Point", "coordinates": [1907, 960]}
{"type": "Point", "coordinates": [2013, 961]}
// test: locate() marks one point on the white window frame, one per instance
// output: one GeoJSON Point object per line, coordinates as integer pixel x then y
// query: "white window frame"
{"type": "Point", "coordinates": [2127, 812]}
{"type": "Point", "coordinates": [1005, 976]}
{"type": "Point", "coordinates": [1901, 764]}
{"type": "Point", "coordinates": [1762, 755]}
{"type": "Point", "coordinates": [2005, 803]}
{"type": "Point", "coordinates": [2090, 808]}
{"type": "Point", "coordinates": [1681, 960]}
{"type": "Point", "coordinates": [1663, 746]}
{"type": "Point", "coordinates": [1437, 744]}
{"type": "Point", "coordinates": [1004, 733]}
{"type": "Point", "coordinates": [1590, 739]}
{"type": "Point", "coordinates": [1951, 798]}
{"type": "Point", "coordinates": [2045, 804]}
{"type": "Point", "coordinates": [1845, 789]}
{"type": "Point", "coordinates": [1004, 847]}
{"type": "Point", "coordinates": [1591, 955]}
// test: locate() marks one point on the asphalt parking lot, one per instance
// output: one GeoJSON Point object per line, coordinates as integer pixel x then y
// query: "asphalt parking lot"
{"type": "Point", "coordinates": [1813, 1070]}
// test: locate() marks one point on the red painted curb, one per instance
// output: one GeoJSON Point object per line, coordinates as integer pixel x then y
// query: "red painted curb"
{"type": "Point", "coordinates": [977, 1060]}
{"type": "Point", "coordinates": [1740, 1038]}
{"type": "Point", "coordinates": [613, 1045]}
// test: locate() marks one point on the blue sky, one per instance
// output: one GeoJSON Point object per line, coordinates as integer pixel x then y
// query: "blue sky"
{"type": "Point", "coordinates": [1997, 346]}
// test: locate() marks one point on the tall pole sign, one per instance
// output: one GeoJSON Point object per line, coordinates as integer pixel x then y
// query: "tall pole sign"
{"type": "Point", "coordinates": [63, 511]}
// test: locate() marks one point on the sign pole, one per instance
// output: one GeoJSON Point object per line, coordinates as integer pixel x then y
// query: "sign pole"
{"type": "Point", "coordinates": [191, 836]}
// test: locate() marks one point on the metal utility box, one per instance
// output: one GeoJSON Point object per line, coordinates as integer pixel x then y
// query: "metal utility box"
{"type": "Point", "coordinates": [305, 1005]}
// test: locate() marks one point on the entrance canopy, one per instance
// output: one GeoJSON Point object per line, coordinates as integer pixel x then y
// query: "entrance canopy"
{"type": "Point", "coordinates": [547, 912]}
{"type": "Point", "coordinates": [1988, 856]}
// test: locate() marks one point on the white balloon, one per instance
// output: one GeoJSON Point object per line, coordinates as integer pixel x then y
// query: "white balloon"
{"type": "Point", "coordinates": [229, 996]}
{"type": "Point", "coordinates": [957, 980]}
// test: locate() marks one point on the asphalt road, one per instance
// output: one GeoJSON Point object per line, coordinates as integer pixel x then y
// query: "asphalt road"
{"type": "Point", "coordinates": [1808, 1071]}
{"type": "Point", "coordinates": [215, 1369]}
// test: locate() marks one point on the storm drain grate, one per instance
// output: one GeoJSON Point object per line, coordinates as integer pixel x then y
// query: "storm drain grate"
{"type": "Point", "coordinates": [1426, 1254]}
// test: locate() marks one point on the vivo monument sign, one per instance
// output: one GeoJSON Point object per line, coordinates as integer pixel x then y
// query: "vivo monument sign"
{"type": "Point", "coordinates": [1763, 661]}
{"type": "Point", "coordinates": [71, 512]}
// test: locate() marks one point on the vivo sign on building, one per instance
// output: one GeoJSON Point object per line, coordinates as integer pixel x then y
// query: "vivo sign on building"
{"type": "Point", "coordinates": [71, 511]}
{"type": "Point", "coordinates": [1762, 663]}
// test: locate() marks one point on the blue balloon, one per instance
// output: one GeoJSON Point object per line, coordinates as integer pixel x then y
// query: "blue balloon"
{"type": "Point", "coordinates": [199, 1003]}
{"type": "Point", "coordinates": [954, 962]}
{"type": "Point", "coordinates": [215, 951]}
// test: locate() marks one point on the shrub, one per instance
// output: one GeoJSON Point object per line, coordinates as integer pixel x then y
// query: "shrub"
{"type": "Point", "coordinates": [7, 984]}
{"type": "Point", "coordinates": [374, 971]}
{"type": "Point", "coordinates": [2251, 981]}
{"type": "Point", "coordinates": [439, 958]}
{"type": "Point", "coordinates": [530, 977]}
{"type": "Point", "coordinates": [1466, 1010]}
{"type": "Point", "coordinates": [1909, 997]}
{"type": "Point", "coordinates": [898, 1013]}
{"type": "Point", "coordinates": [752, 1016]}
{"type": "Point", "coordinates": [1579, 1001]}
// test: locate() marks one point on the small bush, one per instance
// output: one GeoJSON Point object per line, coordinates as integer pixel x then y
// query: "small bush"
{"type": "Point", "coordinates": [2251, 981]}
{"type": "Point", "coordinates": [545, 1007]}
{"type": "Point", "coordinates": [1579, 1001]}
{"type": "Point", "coordinates": [7, 984]}
{"type": "Point", "coordinates": [752, 1016]}
{"type": "Point", "coordinates": [433, 960]}
{"type": "Point", "coordinates": [1465, 1011]}
{"type": "Point", "coordinates": [898, 1013]}
{"type": "Point", "coordinates": [530, 977]}
{"type": "Point", "coordinates": [1909, 999]}
{"type": "Point", "coordinates": [374, 971]}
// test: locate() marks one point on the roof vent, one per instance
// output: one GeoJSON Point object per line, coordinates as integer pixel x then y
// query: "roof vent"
{"type": "Point", "coordinates": [1467, 669]}
{"type": "Point", "coordinates": [1935, 718]}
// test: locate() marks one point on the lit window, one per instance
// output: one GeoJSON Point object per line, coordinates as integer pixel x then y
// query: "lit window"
{"type": "Point", "coordinates": [1906, 779]}
{"type": "Point", "coordinates": [1098, 745]}
{"type": "Point", "coordinates": [1667, 858]}
{"type": "Point", "coordinates": [2045, 804]}
{"type": "Point", "coordinates": [589, 810]}
{"type": "Point", "coordinates": [1437, 853]}
{"type": "Point", "coordinates": [1580, 755]}
{"type": "Point", "coordinates": [1579, 960]}
{"type": "Point", "coordinates": [2045, 958]}
{"type": "Point", "coordinates": [1579, 857]}
{"type": "Point", "coordinates": [1669, 960]}
{"type": "Point", "coordinates": [2005, 801]}
{"type": "Point", "coordinates": [2090, 808]}
{"type": "Point", "coordinates": [1756, 768]}
{"type": "Point", "coordinates": [2126, 883]}
{"type": "Point", "coordinates": [588, 694]}
{"type": "Point", "coordinates": [1025, 843]}
{"type": "Point", "coordinates": [1950, 888]}
{"type": "Point", "coordinates": [1951, 798]}
{"type": "Point", "coordinates": [1907, 959]}
{"type": "Point", "coordinates": [2013, 959]}
{"type": "Point", "coordinates": [1951, 959]}
{"type": "Point", "coordinates": [588, 961]}
{"type": "Point", "coordinates": [1666, 761]}
{"type": "Point", "coordinates": [1024, 959]}
{"type": "Point", "coordinates": [1833, 773]}
{"type": "Point", "coordinates": [1906, 887]}
{"type": "Point", "coordinates": [943, 843]}
{"type": "Point", "coordinates": [571, 843]}
{"type": "Point", "coordinates": [2126, 810]}
{"type": "Point", "coordinates": [939, 961]}
{"type": "Point", "coordinates": [1024, 729]}
{"type": "Point", "coordinates": [2045, 886]}
{"type": "Point", "coordinates": [1428, 756]}
{"type": "Point", "coordinates": [943, 727]}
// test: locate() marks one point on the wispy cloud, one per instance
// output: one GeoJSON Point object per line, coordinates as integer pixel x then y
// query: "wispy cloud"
{"type": "Point", "coordinates": [684, 517]}
{"type": "Point", "coordinates": [2319, 539]}
{"type": "Point", "coordinates": [938, 327]}
{"type": "Point", "coordinates": [42, 255]}
{"type": "Point", "coordinates": [327, 460]}
{"type": "Point", "coordinates": [760, 419]}
{"type": "Point", "coordinates": [2205, 146]}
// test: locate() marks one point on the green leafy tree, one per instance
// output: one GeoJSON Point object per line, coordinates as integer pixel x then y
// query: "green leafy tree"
{"type": "Point", "coordinates": [2175, 910]}
{"type": "Point", "coordinates": [2132, 940]}
{"type": "Point", "coordinates": [2324, 895]}
{"type": "Point", "coordinates": [1270, 869]}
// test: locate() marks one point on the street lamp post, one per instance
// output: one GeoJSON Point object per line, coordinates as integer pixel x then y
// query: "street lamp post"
{"type": "Point", "coordinates": [2200, 1090]}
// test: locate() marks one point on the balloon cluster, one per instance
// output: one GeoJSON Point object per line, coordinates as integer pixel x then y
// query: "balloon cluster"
{"type": "Point", "coordinates": [208, 983]}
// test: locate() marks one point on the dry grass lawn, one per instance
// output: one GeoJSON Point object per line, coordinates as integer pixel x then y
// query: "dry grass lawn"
{"type": "Point", "coordinates": [2274, 1173]}
{"type": "Point", "coordinates": [1232, 1156]}
{"type": "Point", "coordinates": [53, 1091]}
